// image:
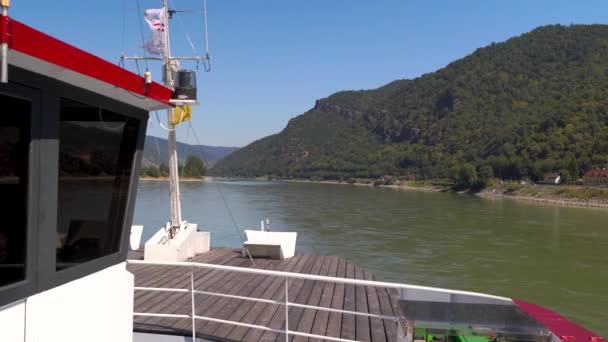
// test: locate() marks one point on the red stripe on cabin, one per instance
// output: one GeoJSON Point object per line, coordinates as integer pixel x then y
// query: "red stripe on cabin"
{"type": "Point", "coordinates": [42, 46]}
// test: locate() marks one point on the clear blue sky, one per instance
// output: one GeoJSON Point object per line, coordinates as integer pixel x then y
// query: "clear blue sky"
{"type": "Point", "coordinates": [273, 58]}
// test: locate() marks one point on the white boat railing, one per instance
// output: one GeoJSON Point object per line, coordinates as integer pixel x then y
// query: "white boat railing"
{"type": "Point", "coordinates": [403, 288]}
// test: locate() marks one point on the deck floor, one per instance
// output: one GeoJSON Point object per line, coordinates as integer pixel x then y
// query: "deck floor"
{"type": "Point", "coordinates": [340, 296]}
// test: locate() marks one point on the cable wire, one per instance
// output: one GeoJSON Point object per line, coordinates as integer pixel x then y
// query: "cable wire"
{"type": "Point", "coordinates": [181, 23]}
{"type": "Point", "coordinates": [161, 124]}
{"type": "Point", "coordinates": [236, 227]}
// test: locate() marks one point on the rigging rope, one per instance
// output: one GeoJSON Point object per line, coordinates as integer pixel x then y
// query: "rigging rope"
{"type": "Point", "coordinates": [141, 31]}
{"type": "Point", "coordinates": [124, 25]}
{"type": "Point", "coordinates": [219, 188]}
{"type": "Point", "coordinates": [236, 227]}
{"type": "Point", "coordinates": [160, 157]}
{"type": "Point", "coordinates": [185, 151]}
{"type": "Point", "coordinates": [137, 66]}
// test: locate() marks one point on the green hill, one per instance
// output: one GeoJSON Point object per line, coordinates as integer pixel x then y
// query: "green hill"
{"type": "Point", "coordinates": [532, 105]}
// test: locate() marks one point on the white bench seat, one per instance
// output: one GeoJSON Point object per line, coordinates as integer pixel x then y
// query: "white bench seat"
{"type": "Point", "coordinates": [275, 245]}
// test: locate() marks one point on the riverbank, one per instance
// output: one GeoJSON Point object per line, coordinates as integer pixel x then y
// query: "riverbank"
{"type": "Point", "coordinates": [412, 186]}
{"type": "Point", "coordinates": [565, 195]}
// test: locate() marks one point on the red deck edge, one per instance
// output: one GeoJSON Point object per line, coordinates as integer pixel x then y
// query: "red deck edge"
{"type": "Point", "coordinates": [564, 329]}
{"type": "Point", "coordinates": [42, 46]}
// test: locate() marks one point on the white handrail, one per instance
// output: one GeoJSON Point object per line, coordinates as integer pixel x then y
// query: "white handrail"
{"type": "Point", "coordinates": [285, 303]}
{"type": "Point", "coordinates": [268, 301]}
{"type": "Point", "coordinates": [304, 276]}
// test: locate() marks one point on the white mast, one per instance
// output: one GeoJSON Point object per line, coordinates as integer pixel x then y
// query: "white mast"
{"type": "Point", "coordinates": [4, 5]}
{"type": "Point", "coordinates": [170, 67]}
{"type": "Point", "coordinates": [176, 209]}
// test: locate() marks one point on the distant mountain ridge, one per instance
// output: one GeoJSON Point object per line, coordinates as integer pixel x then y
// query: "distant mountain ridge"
{"type": "Point", "coordinates": [156, 152]}
{"type": "Point", "coordinates": [529, 106]}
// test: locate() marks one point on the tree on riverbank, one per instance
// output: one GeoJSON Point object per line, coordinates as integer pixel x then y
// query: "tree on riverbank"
{"type": "Point", "coordinates": [149, 171]}
{"type": "Point", "coordinates": [193, 168]}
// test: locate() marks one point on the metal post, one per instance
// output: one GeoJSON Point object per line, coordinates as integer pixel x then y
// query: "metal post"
{"type": "Point", "coordinates": [286, 310]}
{"type": "Point", "coordinates": [4, 44]}
{"type": "Point", "coordinates": [176, 211]}
{"type": "Point", "coordinates": [193, 305]}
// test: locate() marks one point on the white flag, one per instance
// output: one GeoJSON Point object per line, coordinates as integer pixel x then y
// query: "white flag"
{"type": "Point", "coordinates": [156, 21]}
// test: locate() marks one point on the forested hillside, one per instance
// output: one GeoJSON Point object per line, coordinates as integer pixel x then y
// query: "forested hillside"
{"type": "Point", "coordinates": [532, 105]}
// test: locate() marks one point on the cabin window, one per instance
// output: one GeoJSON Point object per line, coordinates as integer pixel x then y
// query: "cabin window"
{"type": "Point", "coordinates": [96, 154]}
{"type": "Point", "coordinates": [14, 155]}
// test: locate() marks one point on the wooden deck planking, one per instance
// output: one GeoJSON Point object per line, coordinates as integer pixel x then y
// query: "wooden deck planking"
{"type": "Point", "coordinates": [204, 303]}
{"type": "Point", "coordinates": [362, 323]}
{"type": "Point", "coordinates": [171, 277]}
{"type": "Point", "coordinates": [278, 319]}
{"type": "Point", "coordinates": [334, 323]}
{"type": "Point", "coordinates": [310, 292]}
{"type": "Point", "coordinates": [296, 315]}
{"type": "Point", "coordinates": [322, 317]}
{"type": "Point", "coordinates": [348, 321]}
{"type": "Point", "coordinates": [226, 308]}
{"type": "Point", "coordinates": [223, 308]}
{"type": "Point", "coordinates": [180, 303]}
{"type": "Point", "coordinates": [256, 313]}
{"type": "Point", "coordinates": [308, 317]}
{"type": "Point", "coordinates": [378, 334]}
{"type": "Point", "coordinates": [269, 309]}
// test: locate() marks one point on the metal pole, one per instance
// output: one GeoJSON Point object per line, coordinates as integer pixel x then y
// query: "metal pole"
{"type": "Point", "coordinates": [206, 31]}
{"type": "Point", "coordinates": [176, 211]}
{"type": "Point", "coordinates": [4, 45]}
{"type": "Point", "coordinates": [193, 305]}
{"type": "Point", "coordinates": [286, 310]}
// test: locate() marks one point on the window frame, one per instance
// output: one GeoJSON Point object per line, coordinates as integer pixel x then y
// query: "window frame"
{"type": "Point", "coordinates": [43, 181]}
{"type": "Point", "coordinates": [50, 277]}
{"type": "Point", "coordinates": [23, 288]}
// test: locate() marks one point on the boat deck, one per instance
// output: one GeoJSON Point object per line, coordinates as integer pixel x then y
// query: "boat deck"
{"type": "Point", "coordinates": [310, 292]}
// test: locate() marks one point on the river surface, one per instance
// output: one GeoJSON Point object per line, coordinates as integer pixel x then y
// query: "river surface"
{"type": "Point", "coordinates": [553, 256]}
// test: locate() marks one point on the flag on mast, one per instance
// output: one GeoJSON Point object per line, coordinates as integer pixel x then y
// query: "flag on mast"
{"type": "Point", "coordinates": [156, 22]}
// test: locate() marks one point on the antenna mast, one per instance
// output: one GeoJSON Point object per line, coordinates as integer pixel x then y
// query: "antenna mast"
{"type": "Point", "coordinates": [176, 209]}
{"type": "Point", "coordinates": [169, 63]}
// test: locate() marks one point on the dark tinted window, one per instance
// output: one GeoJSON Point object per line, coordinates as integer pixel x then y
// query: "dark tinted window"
{"type": "Point", "coordinates": [96, 149]}
{"type": "Point", "coordinates": [14, 152]}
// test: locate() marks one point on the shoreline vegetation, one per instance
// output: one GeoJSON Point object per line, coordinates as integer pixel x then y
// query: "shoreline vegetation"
{"type": "Point", "coordinates": [565, 195]}
{"type": "Point", "coordinates": [562, 195]}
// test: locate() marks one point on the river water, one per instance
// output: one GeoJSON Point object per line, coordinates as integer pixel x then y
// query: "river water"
{"type": "Point", "coordinates": [553, 256]}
